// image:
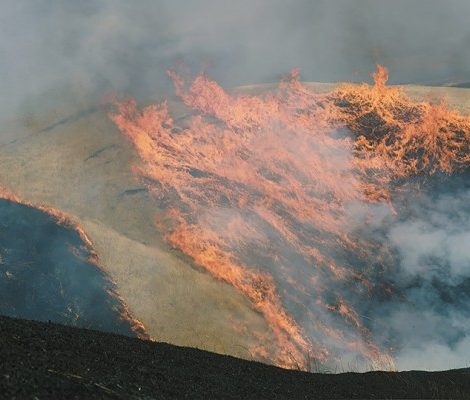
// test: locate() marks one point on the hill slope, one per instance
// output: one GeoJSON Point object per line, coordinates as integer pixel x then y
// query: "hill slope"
{"type": "Point", "coordinates": [78, 162]}
{"type": "Point", "coordinates": [44, 360]}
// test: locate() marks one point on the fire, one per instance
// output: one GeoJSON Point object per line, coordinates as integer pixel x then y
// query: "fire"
{"type": "Point", "coordinates": [258, 190]}
{"type": "Point", "coordinates": [405, 137]}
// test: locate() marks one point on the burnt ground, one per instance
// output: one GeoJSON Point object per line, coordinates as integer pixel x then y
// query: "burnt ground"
{"type": "Point", "coordinates": [45, 361]}
{"type": "Point", "coordinates": [46, 275]}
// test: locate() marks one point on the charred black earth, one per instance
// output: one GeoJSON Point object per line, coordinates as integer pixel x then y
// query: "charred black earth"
{"type": "Point", "coordinates": [46, 275]}
{"type": "Point", "coordinates": [44, 361]}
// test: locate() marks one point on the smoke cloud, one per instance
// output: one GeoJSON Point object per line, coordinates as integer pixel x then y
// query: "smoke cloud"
{"type": "Point", "coordinates": [73, 51]}
{"type": "Point", "coordinates": [432, 245]}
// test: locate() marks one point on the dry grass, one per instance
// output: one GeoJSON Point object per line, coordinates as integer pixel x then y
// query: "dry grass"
{"type": "Point", "coordinates": [82, 167]}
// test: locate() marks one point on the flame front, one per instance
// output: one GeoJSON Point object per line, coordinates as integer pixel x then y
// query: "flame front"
{"type": "Point", "coordinates": [261, 192]}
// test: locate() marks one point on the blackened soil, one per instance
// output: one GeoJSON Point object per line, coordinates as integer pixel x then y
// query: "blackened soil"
{"type": "Point", "coordinates": [45, 274]}
{"type": "Point", "coordinates": [47, 361]}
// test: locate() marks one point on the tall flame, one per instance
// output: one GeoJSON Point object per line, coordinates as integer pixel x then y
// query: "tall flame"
{"type": "Point", "coordinates": [258, 191]}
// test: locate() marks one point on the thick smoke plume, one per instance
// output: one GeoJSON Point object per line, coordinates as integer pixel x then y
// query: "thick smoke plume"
{"type": "Point", "coordinates": [432, 246]}
{"type": "Point", "coordinates": [71, 51]}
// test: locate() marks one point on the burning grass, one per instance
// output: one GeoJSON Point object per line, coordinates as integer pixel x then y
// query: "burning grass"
{"type": "Point", "coordinates": [258, 191]}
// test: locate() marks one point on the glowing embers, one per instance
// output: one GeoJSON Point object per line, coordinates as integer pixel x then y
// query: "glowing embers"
{"type": "Point", "coordinates": [268, 193]}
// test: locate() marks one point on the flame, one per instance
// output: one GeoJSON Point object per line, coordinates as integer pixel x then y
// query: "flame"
{"type": "Point", "coordinates": [257, 191]}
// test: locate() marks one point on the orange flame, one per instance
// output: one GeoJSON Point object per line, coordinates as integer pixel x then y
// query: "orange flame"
{"type": "Point", "coordinates": [256, 182]}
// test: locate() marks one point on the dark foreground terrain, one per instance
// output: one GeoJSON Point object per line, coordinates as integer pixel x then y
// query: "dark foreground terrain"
{"type": "Point", "coordinates": [45, 360]}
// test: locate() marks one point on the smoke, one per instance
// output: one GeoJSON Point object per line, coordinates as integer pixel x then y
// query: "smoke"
{"type": "Point", "coordinates": [56, 51]}
{"type": "Point", "coordinates": [425, 322]}
{"type": "Point", "coordinates": [433, 259]}
{"type": "Point", "coordinates": [433, 242]}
